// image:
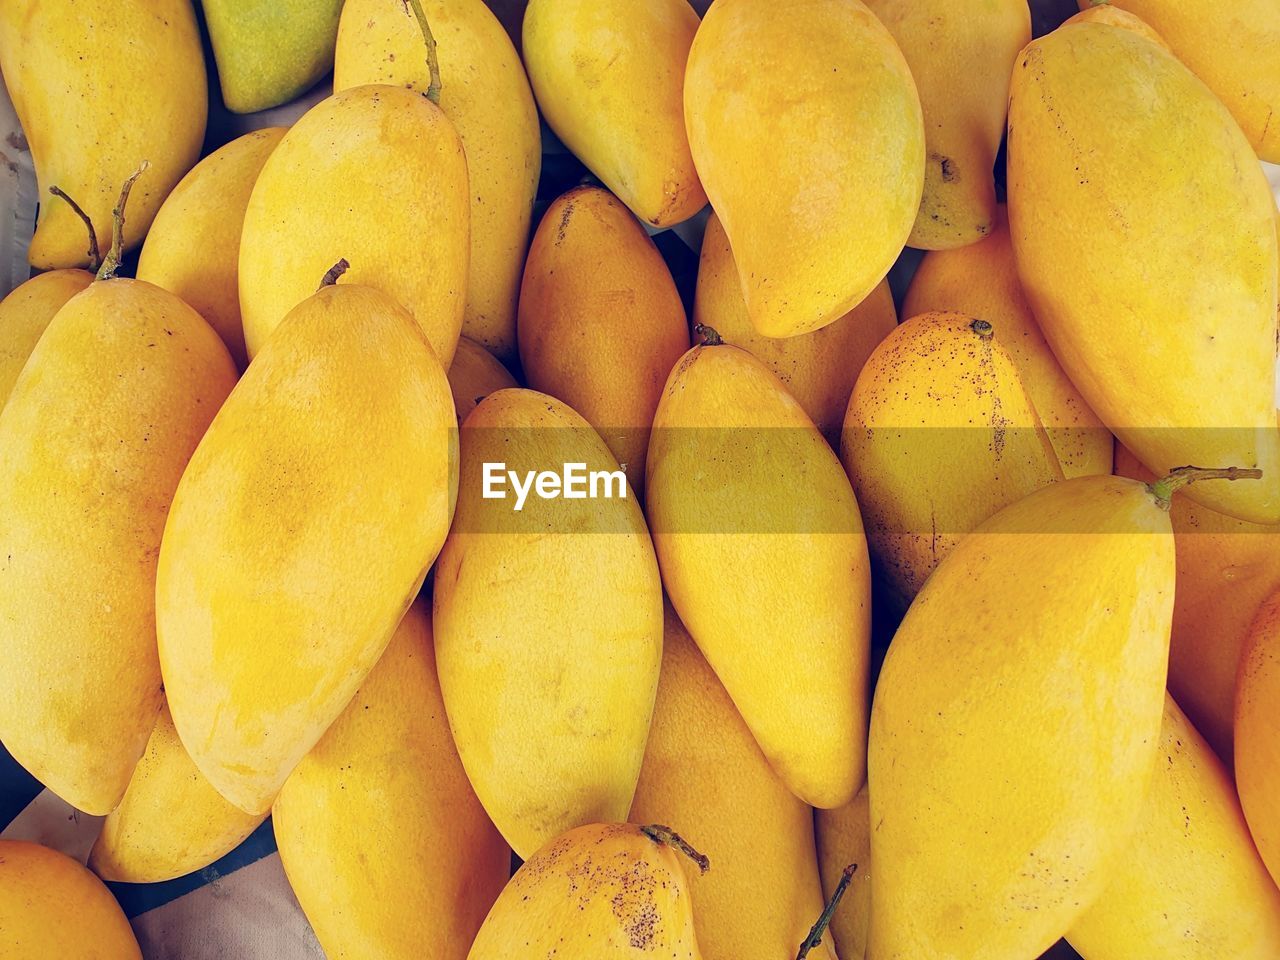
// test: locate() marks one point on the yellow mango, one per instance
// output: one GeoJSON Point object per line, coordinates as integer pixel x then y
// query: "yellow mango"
{"type": "Point", "coordinates": [1004, 779]}
{"type": "Point", "coordinates": [960, 57]}
{"type": "Point", "coordinates": [940, 434]}
{"type": "Point", "coordinates": [50, 906]}
{"type": "Point", "coordinates": [763, 554]}
{"type": "Point", "coordinates": [474, 374]}
{"type": "Point", "coordinates": [844, 837]}
{"type": "Point", "coordinates": [24, 315]}
{"type": "Point", "coordinates": [484, 92]}
{"type": "Point", "coordinates": [1234, 48]}
{"type": "Point", "coordinates": [329, 476]}
{"type": "Point", "coordinates": [98, 89]}
{"type": "Point", "coordinates": [981, 280]}
{"type": "Point", "coordinates": [96, 433]}
{"type": "Point", "coordinates": [1226, 569]}
{"type": "Point", "coordinates": [171, 821]}
{"type": "Point", "coordinates": [606, 890]}
{"type": "Point", "coordinates": [382, 838]}
{"type": "Point", "coordinates": [375, 175]}
{"type": "Point", "coordinates": [1257, 732]}
{"type": "Point", "coordinates": [601, 322]}
{"type": "Point", "coordinates": [703, 771]}
{"type": "Point", "coordinates": [609, 76]}
{"type": "Point", "coordinates": [566, 654]}
{"type": "Point", "coordinates": [193, 249]}
{"type": "Point", "coordinates": [1104, 12]}
{"type": "Point", "coordinates": [1118, 155]}
{"type": "Point", "coordinates": [1189, 886]}
{"type": "Point", "coordinates": [806, 128]}
{"type": "Point", "coordinates": [818, 369]}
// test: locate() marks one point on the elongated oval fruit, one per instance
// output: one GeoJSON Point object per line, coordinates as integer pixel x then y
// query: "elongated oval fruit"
{"type": "Point", "coordinates": [981, 280]}
{"type": "Point", "coordinates": [940, 434]}
{"type": "Point", "coordinates": [25, 314]}
{"type": "Point", "coordinates": [819, 368]}
{"type": "Point", "coordinates": [703, 770]}
{"type": "Point", "coordinates": [1190, 885]}
{"type": "Point", "coordinates": [844, 837]}
{"type": "Point", "coordinates": [985, 739]}
{"type": "Point", "coordinates": [329, 476]}
{"type": "Point", "coordinates": [382, 838]}
{"type": "Point", "coordinates": [601, 322]}
{"type": "Point", "coordinates": [98, 89]}
{"type": "Point", "coordinates": [814, 165]}
{"type": "Point", "coordinates": [171, 821]}
{"type": "Point", "coordinates": [50, 906]}
{"type": "Point", "coordinates": [604, 891]}
{"type": "Point", "coordinates": [376, 175]}
{"type": "Point", "coordinates": [474, 374]}
{"type": "Point", "coordinates": [484, 92]}
{"type": "Point", "coordinates": [1257, 732]}
{"type": "Point", "coordinates": [1174, 345]}
{"type": "Point", "coordinates": [193, 248]}
{"type": "Point", "coordinates": [763, 554]}
{"type": "Point", "coordinates": [1232, 48]}
{"type": "Point", "coordinates": [96, 433]}
{"type": "Point", "coordinates": [566, 653]}
{"type": "Point", "coordinates": [609, 76]}
{"type": "Point", "coordinates": [961, 57]}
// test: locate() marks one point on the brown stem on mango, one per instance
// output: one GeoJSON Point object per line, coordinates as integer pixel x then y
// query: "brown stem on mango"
{"type": "Point", "coordinates": [668, 837]}
{"type": "Point", "coordinates": [433, 59]}
{"type": "Point", "coordinates": [824, 920]}
{"type": "Point", "coordinates": [1164, 489]}
{"type": "Point", "coordinates": [706, 336]}
{"type": "Point", "coordinates": [333, 273]}
{"type": "Point", "coordinates": [112, 263]}
{"type": "Point", "coordinates": [982, 329]}
{"type": "Point", "coordinates": [95, 255]}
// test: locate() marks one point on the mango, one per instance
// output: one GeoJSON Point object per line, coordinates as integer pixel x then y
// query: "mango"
{"type": "Point", "coordinates": [566, 654]}
{"type": "Point", "coordinates": [814, 165]}
{"type": "Point", "coordinates": [329, 476]}
{"type": "Point", "coordinates": [844, 837]}
{"type": "Point", "coordinates": [1257, 732]}
{"type": "Point", "coordinates": [474, 374]}
{"type": "Point", "coordinates": [25, 314]}
{"type": "Point", "coordinates": [1105, 12]}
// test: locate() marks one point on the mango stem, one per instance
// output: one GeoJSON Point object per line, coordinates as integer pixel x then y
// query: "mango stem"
{"type": "Point", "coordinates": [95, 255]}
{"type": "Point", "coordinates": [668, 837]}
{"type": "Point", "coordinates": [112, 263]}
{"type": "Point", "coordinates": [1163, 490]}
{"type": "Point", "coordinates": [706, 336]}
{"type": "Point", "coordinates": [333, 273]}
{"type": "Point", "coordinates": [433, 59]}
{"type": "Point", "coordinates": [824, 920]}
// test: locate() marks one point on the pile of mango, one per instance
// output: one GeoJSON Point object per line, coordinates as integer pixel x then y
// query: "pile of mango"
{"type": "Point", "coordinates": [249, 403]}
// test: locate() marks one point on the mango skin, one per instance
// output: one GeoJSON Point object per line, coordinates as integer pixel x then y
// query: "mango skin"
{"type": "Point", "coordinates": [97, 432]}
{"type": "Point", "coordinates": [171, 821]}
{"type": "Point", "coordinates": [819, 368]}
{"type": "Point", "coordinates": [703, 770]}
{"type": "Point", "coordinates": [608, 75]}
{"type": "Point", "coordinates": [484, 92]}
{"type": "Point", "coordinates": [1232, 48]}
{"type": "Point", "coordinates": [1257, 732]}
{"type": "Point", "coordinates": [981, 280]}
{"type": "Point", "coordinates": [1178, 361]}
{"type": "Point", "coordinates": [381, 836]}
{"type": "Point", "coordinates": [1105, 12]}
{"type": "Point", "coordinates": [764, 557]}
{"type": "Point", "coordinates": [961, 58]}
{"type": "Point", "coordinates": [844, 837]}
{"type": "Point", "coordinates": [601, 322]}
{"type": "Point", "coordinates": [193, 248]}
{"type": "Point", "coordinates": [984, 741]}
{"type": "Point", "coordinates": [940, 434]}
{"type": "Point", "coordinates": [51, 906]}
{"type": "Point", "coordinates": [567, 655]}
{"type": "Point", "coordinates": [323, 196]}
{"type": "Point", "coordinates": [98, 89]}
{"type": "Point", "coordinates": [474, 374]}
{"type": "Point", "coordinates": [25, 314]}
{"type": "Point", "coordinates": [1190, 885]}
{"type": "Point", "coordinates": [260, 656]}
{"type": "Point", "coordinates": [816, 181]}
{"type": "Point", "coordinates": [600, 890]}
{"type": "Point", "coordinates": [270, 51]}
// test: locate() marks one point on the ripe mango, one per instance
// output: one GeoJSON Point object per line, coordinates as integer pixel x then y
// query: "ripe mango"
{"type": "Point", "coordinates": [1105, 12]}
{"type": "Point", "coordinates": [474, 374]}
{"type": "Point", "coordinates": [329, 476]}
{"type": "Point", "coordinates": [844, 837]}
{"type": "Point", "coordinates": [24, 315]}
{"type": "Point", "coordinates": [1257, 732]}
